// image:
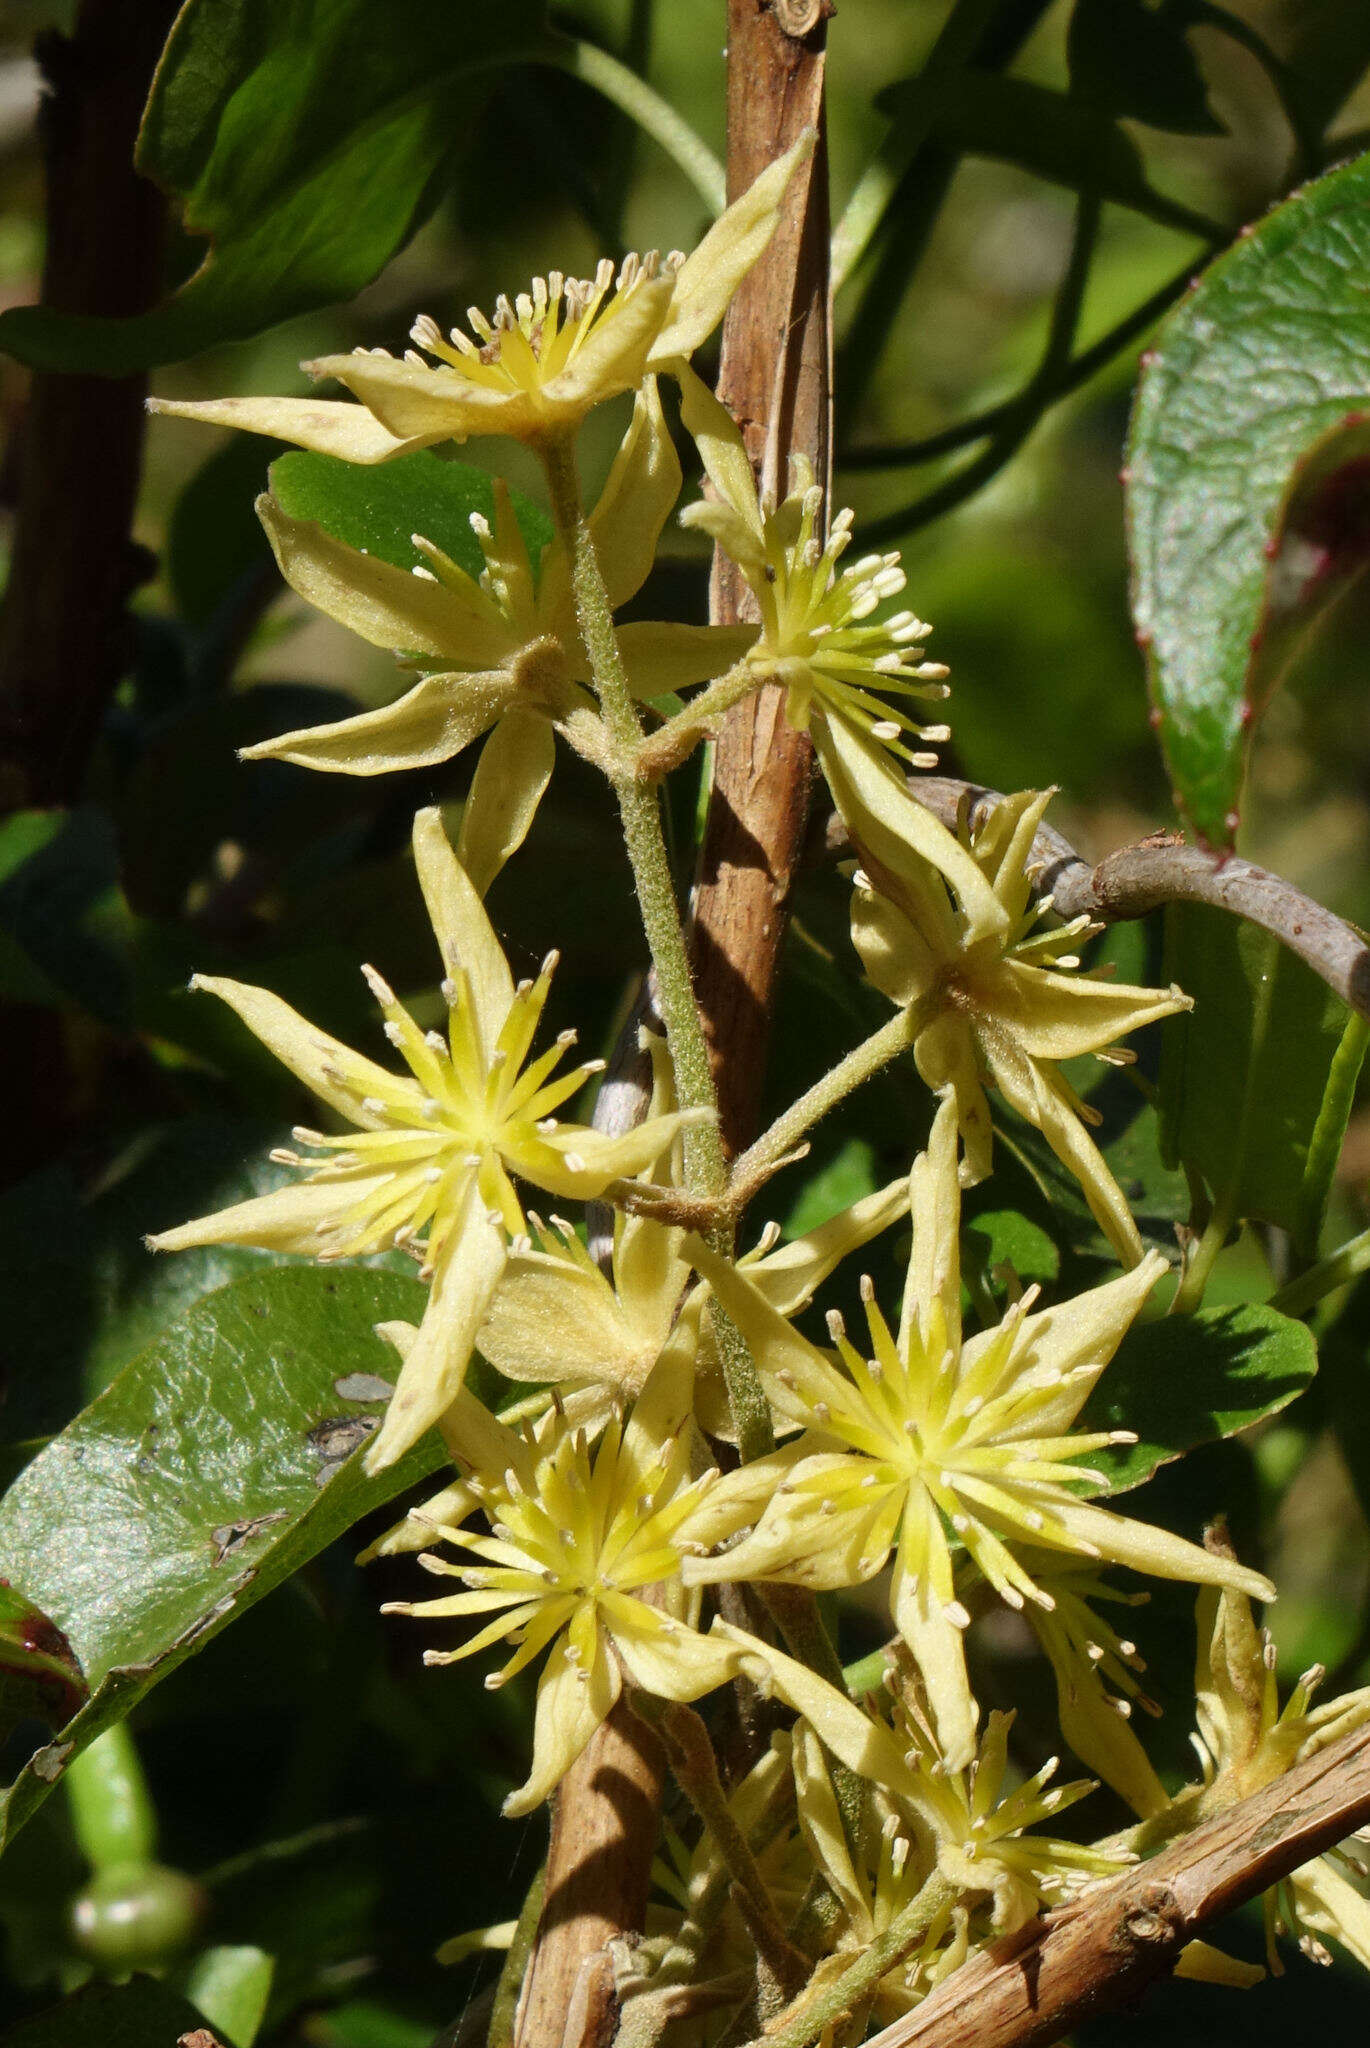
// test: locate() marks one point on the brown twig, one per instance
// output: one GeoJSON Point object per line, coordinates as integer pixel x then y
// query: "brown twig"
{"type": "Point", "coordinates": [604, 1829]}
{"type": "Point", "coordinates": [63, 628]}
{"type": "Point", "coordinates": [775, 379]}
{"type": "Point", "coordinates": [1164, 869]}
{"type": "Point", "coordinates": [1101, 1952]}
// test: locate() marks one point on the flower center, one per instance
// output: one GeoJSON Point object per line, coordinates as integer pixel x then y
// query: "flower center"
{"type": "Point", "coordinates": [533, 338]}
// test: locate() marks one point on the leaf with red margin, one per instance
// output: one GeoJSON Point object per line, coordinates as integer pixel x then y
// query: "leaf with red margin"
{"type": "Point", "coordinates": [1256, 377]}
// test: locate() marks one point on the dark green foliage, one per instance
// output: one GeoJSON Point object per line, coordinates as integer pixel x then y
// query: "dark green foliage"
{"type": "Point", "coordinates": [1268, 356]}
{"type": "Point", "coordinates": [1188, 1379]}
{"type": "Point", "coordinates": [212, 1468]}
{"type": "Point", "coordinates": [380, 509]}
{"type": "Point", "coordinates": [1249, 1096]}
{"type": "Point", "coordinates": [306, 139]}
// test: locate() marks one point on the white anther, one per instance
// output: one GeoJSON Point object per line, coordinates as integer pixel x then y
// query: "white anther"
{"type": "Point", "coordinates": [379, 987]}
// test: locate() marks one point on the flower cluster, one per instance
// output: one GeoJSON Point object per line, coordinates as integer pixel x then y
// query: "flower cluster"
{"type": "Point", "coordinates": [601, 1524]}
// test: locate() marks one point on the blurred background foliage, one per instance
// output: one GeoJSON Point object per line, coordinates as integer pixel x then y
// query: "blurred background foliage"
{"type": "Point", "coordinates": [339, 1805]}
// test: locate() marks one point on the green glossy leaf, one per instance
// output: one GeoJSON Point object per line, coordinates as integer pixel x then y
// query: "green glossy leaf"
{"type": "Point", "coordinates": [1245, 1075]}
{"type": "Point", "coordinates": [1063, 140]}
{"type": "Point", "coordinates": [379, 508]}
{"type": "Point", "coordinates": [307, 139]}
{"type": "Point", "coordinates": [1186, 1380]}
{"type": "Point", "coordinates": [1130, 59]}
{"type": "Point", "coordinates": [139, 2014]}
{"type": "Point", "coordinates": [1267, 357]}
{"type": "Point", "coordinates": [1005, 1237]}
{"type": "Point", "coordinates": [214, 1466]}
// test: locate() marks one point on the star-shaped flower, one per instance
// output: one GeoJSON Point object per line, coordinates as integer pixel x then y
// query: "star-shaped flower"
{"type": "Point", "coordinates": [583, 1560]}
{"type": "Point", "coordinates": [507, 642]}
{"type": "Point", "coordinates": [541, 364]}
{"type": "Point", "coordinates": [815, 635]}
{"type": "Point", "coordinates": [435, 1151]}
{"type": "Point", "coordinates": [559, 1320]}
{"type": "Point", "coordinates": [962, 1820]}
{"type": "Point", "coordinates": [1004, 1001]}
{"type": "Point", "coordinates": [934, 1438]}
{"type": "Point", "coordinates": [1246, 1740]}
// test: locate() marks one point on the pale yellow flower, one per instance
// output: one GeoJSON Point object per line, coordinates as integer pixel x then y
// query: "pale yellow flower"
{"type": "Point", "coordinates": [934, 1438]}
{"type": "Point", "coordinates": [504, 643]}
{"type": "Point", "coordinates": [583, 1561]}
{"type": "Point", "coordinates": [435, 1151]}
{"type": "Point", "coordinates": [815, 636]}
{"type": "Point", "coordinates": [1246, 1740]}
{"type": "Point", "coordinates": [933, 1814]}
{"type": "Point", "coordinates": [558, 1319]}
{"type": "Point", "coordinates": [872, 1887]}
{"type": "Point", "coordinates": [541, 364]}
{"type": "Point", "coordinates": [1005, 1001]}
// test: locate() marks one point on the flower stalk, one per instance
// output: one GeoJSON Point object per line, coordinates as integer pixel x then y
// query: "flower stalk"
{"type": "Point", "coordinates": [641, 815]}
{"type": "Point", "coordinates": [897, 1034]}
{"type": "Point", "coordinates": [813, 2016]}
{"type": "Point", "coordinates": [692, 1761]}
{"type": "Point", "coordinates": [705, 1166]}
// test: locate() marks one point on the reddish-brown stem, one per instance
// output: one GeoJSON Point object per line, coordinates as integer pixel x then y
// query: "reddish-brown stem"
{"type": "Point", "coordinates": [599, 1860]}
{"type": "Point", "coordinates": [775, 379]}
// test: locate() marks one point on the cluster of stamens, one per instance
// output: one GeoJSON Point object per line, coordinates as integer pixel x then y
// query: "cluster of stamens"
{"type": "Point", "coordinates": [578, 1524]}
{"type": "Point", "coordinates": [814, 613]}
{"type": "Point", "coordinates": [961, 1431]}
{"type": "Point", "coordinates": [539, 330]}
{"type": "Point", "coordinates": [458, 1112]}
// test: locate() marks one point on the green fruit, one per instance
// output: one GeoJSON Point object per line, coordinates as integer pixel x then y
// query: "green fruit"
{"type": "Point", "coordinates": [136, 1916]}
